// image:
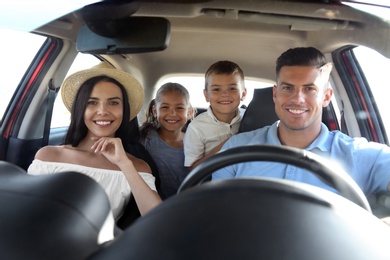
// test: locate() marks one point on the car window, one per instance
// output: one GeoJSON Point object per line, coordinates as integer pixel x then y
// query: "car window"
{"type": "Point", "coordinates": [195, 86]}
{"type": "Point", "coordinates": [12, 42]}
{"type": "Point", "coordinates": [379, 8]}
{"type": "Point", "coordinates": [61, 116]}
{"type": "Point", "coordinates": [374, 66]}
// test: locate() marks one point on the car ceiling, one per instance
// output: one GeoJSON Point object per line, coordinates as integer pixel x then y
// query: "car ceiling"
{"type": "Point", "coordinates": [250, 32]}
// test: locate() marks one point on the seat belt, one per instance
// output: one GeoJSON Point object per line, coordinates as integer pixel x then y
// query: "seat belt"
{"type": "Point", "coordinates": [343, 126]}
{"type": "Point", "coordinates": [51, 96]}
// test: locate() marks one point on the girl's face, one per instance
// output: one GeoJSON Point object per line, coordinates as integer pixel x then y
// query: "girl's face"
{"type": "Point", "coordinates": [172, 112]}
{"type": "Point", "coordinates": [103, 114]}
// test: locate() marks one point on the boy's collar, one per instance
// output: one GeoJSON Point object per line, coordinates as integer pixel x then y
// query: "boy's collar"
{"type": "Point", "coordinates": [211, 113]}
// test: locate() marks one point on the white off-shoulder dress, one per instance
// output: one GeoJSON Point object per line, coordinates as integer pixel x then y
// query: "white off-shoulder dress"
{"type": "Point", "coordinates": [113, 182]}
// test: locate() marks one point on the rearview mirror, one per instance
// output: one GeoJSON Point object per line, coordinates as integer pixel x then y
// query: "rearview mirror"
{"type": "Point", "coordinates": [132, 35]}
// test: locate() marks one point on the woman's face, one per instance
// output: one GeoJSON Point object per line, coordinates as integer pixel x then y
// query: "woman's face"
{"type": "Point", "coordinates": [103, 114]}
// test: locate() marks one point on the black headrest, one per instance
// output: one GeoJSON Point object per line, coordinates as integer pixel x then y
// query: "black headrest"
{"type": "Point", "coordinates": [53, 216]}
{"type": "Point", "coordinates": [260, 111]}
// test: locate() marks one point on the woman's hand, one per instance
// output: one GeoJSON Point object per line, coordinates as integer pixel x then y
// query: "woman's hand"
{"type": "Point", "coordinates": [111, 148]}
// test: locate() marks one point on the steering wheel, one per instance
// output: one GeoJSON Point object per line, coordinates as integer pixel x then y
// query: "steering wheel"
{"type": "Point", "coordinates": [334, 177]}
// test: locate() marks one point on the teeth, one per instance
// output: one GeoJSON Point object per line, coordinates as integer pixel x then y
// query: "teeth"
{"type": "Point", "coordinates": [296, 111]}
{"type": "Point", "coordinates": [103, 122]}
{"type": "Point", "coordinates": [171, 121]}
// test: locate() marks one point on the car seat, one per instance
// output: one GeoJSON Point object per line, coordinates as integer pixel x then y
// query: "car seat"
{"type": "Point", "coordinates": [53, 216]}
{"type": "Point", "coordinates": [131, 211]}
{"type": "Point", "coordinates": [253, 219]}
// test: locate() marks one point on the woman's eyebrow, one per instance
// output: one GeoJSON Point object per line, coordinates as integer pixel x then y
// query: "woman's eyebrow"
{"type": "Point", "coordinates": [114, 98]}
{"type": "Point", "coordinates": [111, 98]}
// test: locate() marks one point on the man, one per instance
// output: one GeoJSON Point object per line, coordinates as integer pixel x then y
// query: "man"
{"type": "Point", "coordinates": [301, 92]}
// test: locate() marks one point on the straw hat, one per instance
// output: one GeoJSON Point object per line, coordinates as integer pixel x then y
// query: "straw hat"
{"type": "Point", "coordinates": [72, 83]}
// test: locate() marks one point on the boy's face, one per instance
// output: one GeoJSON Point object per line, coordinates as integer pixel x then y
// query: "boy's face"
{"type": "Point", "coordinates": [224, 92]}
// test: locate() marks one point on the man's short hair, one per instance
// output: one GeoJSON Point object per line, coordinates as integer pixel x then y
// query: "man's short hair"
{"type": "Point", "coordinates": [301, 56]}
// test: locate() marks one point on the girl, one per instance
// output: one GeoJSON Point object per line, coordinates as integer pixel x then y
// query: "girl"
{"type": "Point", "coordinates": [103, 101]}
{"type": "Point", "coordinates": [163, 132]}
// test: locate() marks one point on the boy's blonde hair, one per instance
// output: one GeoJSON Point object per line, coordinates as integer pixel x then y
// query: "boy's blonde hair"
{"type": "Point", "coordinates": [224, 67]}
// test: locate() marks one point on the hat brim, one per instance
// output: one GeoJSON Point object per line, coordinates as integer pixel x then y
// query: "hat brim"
{"type": "Point", "coordinates": [134, 90]}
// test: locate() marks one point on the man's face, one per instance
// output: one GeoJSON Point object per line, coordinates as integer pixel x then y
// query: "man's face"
{"type": "Point", "coordinates": [300, 94]}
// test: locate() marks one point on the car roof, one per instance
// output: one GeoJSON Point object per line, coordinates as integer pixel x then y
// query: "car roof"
{"type": "Point", "coordinates": [252, 33]}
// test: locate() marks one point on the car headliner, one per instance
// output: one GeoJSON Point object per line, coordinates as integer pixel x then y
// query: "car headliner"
{"type": "Point", "coordinates": [251, 33]}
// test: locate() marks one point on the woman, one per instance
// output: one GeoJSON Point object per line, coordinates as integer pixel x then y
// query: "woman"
{"type": "Point", "coordinates": [102, 101]}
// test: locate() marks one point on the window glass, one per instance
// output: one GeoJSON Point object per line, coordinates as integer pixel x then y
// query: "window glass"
{"type": "Point", "coordinates": [15, 62]}
{"type": "Point", "coordinates": [195, 86]}
{"type": "Point", "coordinates": [61, 116]}
{"type": "Point", "coordinates": [374, 66]}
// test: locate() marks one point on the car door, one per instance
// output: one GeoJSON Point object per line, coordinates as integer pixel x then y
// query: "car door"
{"type": "Point", "coordinates": [30, 115]}
{"type": "Point", "coordinates": [361, 103]}
{"type": "Point", "coordinates": [21, 129]}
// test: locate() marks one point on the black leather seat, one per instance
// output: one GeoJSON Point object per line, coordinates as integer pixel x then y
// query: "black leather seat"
{"type": "Point", "coordinates": [131, 211]}
{"type": "Point", "coordinates": [53, 216]}
{"type": "Point", "coordinates": [261, 112]}
{"type": "Point", "coordinates": [64, 216]}
{"type": "Point", "coordinates": [253, 219]}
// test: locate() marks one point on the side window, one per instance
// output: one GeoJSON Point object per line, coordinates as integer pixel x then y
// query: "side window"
{"type": "Point", "coordinates": [61, 116]}
{"type": "Point", "coordinates": [374, 66]}
{"type": "Point", "coordinates": [16, 62]}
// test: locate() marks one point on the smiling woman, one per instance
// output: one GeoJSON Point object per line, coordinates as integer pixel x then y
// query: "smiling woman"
{"type": "Point", "coordinates": [103, 101]}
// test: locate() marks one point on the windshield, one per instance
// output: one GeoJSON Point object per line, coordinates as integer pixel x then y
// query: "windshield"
{"type": "Point", "coordinates": [377, 7]}
{"type": "Point", "coordinates": [27, 15]}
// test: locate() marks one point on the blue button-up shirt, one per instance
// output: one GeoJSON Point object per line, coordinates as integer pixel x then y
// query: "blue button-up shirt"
{"type": "Point", "coordinates": [368, 163]}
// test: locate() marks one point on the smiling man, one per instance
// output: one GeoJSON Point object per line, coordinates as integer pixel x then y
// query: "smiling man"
{"type": "Point", "coordinates": [302, 91]}
{"type": "Point", "coordinates": [300, 95]}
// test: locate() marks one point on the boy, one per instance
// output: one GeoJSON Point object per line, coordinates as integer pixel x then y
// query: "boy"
{"type": "Point", "coordinates": [224, 90]}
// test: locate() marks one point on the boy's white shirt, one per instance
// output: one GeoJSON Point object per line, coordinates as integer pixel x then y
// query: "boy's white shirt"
{"type": "Point", "coordinates": [206, 132]}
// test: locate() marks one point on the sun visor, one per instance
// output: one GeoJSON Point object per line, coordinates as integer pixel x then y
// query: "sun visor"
{"type": "Point", "coordinates": [127, 35]}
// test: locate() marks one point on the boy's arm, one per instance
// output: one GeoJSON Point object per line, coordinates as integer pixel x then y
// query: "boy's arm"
{"type": "Point", "coordinates": [193, 145]}
{"type": "Point", "coordinates": [212, 152]}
